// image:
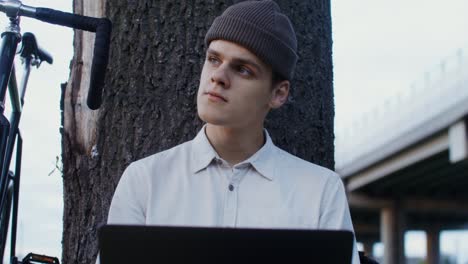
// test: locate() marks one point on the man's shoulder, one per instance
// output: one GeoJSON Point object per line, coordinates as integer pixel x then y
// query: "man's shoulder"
{"type": "Point", "coordinates": [170, 155]}
{"type": "Point", "coordinates": [301, 167]}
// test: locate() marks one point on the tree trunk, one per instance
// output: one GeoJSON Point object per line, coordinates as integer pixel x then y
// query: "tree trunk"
{"type": "Point", "coordinates": [156, 57]}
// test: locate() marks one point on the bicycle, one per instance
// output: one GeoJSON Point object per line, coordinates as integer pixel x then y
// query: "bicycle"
{"type": "Point", "coordinates": [10, 135]}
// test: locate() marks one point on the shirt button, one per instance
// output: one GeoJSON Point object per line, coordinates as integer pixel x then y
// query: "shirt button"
{"type": "Point", "coordinates": [231, 187]}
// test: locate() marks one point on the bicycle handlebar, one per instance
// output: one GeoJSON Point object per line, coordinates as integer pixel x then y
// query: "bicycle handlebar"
{"type": "Point", "coordinates": [102, 27]}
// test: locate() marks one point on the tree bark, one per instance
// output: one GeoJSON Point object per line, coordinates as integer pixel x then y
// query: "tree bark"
{"type": "Point", "coordinates": [156, 56]}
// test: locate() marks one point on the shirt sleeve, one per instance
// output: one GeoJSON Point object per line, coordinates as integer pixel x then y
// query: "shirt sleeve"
{"type": "Point", "coordinates": [128, 204]}
{"type": "Point", "coordinates": [334, 212]}
{"type": "Point", "coordinates": [129, 200]}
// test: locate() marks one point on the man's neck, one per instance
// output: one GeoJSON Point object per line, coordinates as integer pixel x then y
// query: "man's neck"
{"type": "Point", "coordinates": [235, 145]}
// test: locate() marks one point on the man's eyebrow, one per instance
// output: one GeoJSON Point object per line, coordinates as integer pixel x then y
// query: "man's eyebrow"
{"type": "Point", "coordinates": [212, 51]}
{"type": "Point", "coordinates": [237, 60]}
{"type": "Point", "coordinates": [248, 62]}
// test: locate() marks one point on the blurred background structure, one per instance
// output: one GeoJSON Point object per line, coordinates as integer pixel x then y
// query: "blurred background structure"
{"type": "Point", "coordinates": [405, 164]}
{"type": "Point", "coordinates": [401, 87]}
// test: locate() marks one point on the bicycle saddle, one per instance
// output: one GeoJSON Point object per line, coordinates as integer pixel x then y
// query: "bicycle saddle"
{"type": "Point", "coordinates": [29, 48]}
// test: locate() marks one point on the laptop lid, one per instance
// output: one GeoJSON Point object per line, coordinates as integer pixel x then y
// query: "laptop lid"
{"type": "Point", "coordinates": [171, 244]}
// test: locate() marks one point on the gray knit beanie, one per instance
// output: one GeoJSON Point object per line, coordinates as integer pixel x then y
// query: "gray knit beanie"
{"type": "Point", "coordinates": [263, 29]}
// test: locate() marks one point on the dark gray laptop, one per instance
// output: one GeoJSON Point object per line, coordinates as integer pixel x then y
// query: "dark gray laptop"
{"type": "Point", "coordinates": [164, 244]}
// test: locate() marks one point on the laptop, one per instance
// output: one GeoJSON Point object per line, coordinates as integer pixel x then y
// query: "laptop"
{"type": "Point", "coordinates": [173, 244]}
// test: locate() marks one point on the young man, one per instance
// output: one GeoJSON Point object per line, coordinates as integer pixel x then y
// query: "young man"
{"type": "Point", "coordinates": [231, 174]}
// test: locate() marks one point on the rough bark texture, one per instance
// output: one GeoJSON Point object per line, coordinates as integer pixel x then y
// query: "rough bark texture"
{"type": "Point", "coordinates": [156, 56]}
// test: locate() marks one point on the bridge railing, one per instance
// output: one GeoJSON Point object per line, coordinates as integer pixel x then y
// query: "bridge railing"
{"type": "Point", "coordinates": [441, 87]}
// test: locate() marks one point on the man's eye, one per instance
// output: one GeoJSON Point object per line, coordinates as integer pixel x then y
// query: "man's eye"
{"type": "Point", "coordinates": [244, 71]}
{"type": "Point", "coordinates": [212, 59]}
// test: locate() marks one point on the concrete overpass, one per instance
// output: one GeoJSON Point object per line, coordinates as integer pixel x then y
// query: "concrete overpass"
{"type": "Point", "coordinates": [405, 166]}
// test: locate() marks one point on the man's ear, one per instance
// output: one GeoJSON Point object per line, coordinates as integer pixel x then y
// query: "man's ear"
{"type": "Point", "coordinates": [279, 94]}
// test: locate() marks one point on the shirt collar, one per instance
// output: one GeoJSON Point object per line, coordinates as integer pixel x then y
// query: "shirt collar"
{"type": "Point", "coordinates": [262, 161]}
{"type": "Point", "coordinates": [202, 151]}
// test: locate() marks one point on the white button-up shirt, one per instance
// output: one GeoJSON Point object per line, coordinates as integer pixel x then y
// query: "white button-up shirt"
{"type": "Point", "coordinates": [190, 185]}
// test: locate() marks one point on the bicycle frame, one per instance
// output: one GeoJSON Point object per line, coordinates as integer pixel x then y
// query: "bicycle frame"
{"type": "Point", "coordinates": [9, 132]}
{"type": "Point", "coordinates": [9, 182]}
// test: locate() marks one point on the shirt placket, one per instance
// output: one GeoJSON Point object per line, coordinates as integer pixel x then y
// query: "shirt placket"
{"type": "Point", "coordinates": [231, 202]}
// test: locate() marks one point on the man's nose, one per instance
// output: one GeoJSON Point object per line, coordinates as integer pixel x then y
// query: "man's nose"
{"type": "Point", "coordinates": [220, 76]}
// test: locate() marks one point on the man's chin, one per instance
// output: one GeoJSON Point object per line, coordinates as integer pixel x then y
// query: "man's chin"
{"type": "Point", "coordinates": [213, 120]}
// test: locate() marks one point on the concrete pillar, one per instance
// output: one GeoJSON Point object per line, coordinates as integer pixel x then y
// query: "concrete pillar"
{"type": "Point", "coordinates": [458, 142]}
{"type": "Point", "coordinates": [433, 249]}
{"type": "Point", "coordinates": [392, 234]}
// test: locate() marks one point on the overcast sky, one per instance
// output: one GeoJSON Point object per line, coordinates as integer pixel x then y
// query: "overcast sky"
{"type": "Point", "coordinates": [380, 48]}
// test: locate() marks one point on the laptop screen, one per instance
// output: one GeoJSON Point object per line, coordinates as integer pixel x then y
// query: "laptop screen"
{"type": "Point", "coordinates": [171, 244]}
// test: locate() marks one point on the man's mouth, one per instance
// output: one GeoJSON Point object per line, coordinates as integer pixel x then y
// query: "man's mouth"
{"type": "Point", "coordinates": [215, 97]}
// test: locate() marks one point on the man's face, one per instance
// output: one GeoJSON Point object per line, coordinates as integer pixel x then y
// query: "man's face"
{"type": "Point", "coordinates": [236, 87]}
